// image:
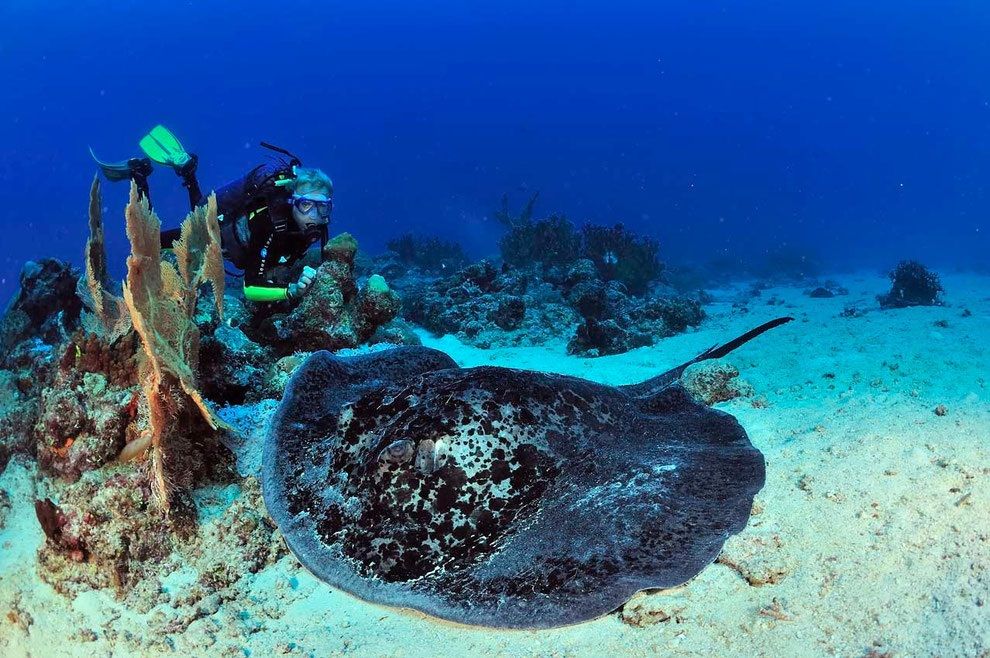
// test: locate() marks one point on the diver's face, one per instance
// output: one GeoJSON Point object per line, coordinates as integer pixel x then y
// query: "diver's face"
{"type": "Point", "coordinates": [311, 210]}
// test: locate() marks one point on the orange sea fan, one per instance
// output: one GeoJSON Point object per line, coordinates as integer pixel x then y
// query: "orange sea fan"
{"type": "Point", "coordinates": [161, 301]}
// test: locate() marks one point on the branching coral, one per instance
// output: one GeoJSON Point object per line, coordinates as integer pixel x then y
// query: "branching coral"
{"type": "Point", "coordinates": [912, 284]}
{"type": "Point", "coordinates": [505, 217]}
{"type": "Point", "coordinates": [622, 256]}
{"type": "Point", "coordinates": [161, 300]}
{"type": "Point", "coordinates": [550, 241]}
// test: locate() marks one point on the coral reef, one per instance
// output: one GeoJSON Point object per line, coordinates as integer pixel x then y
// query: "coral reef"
{"type": "Point", "coordinates": [604, 337]}
{"type": "Point", "coordinates": [83, 407]}
{"type": "Point", "coordinates": [912, 284]}
{"type": "Point", "coordinates": [107, 531]}
{"type": "Point", "coordinates": [117, 361]}
{"type": "Point", "coordinates": [19, 408]}
{"type": "Point", "coordinates": [616, 253]}
{"type": "Point", "coordinates": [102, 390]}
{"type": "Point", "coordinates": [588, 287]}
{"type": "Point", "coordinates": [488, 306]}
{"type": "Point", "coordinates": [676, 313]}
{"type": "Point", "coordinates": [43, 313]}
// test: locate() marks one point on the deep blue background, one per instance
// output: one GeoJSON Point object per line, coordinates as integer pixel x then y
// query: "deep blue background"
{"type": "Point", "coordinates": [858, 130]}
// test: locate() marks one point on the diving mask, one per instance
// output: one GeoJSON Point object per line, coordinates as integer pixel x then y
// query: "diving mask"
{"type": "Point", "coordinates": [310, 204]}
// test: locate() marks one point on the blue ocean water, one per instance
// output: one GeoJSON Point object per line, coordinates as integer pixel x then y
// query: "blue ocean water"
{"type": "Point", "coordinates": [858, 132]}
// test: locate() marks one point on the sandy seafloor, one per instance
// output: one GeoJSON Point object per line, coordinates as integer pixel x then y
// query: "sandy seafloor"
{"type": "Point", "coordinates": [873, 530]}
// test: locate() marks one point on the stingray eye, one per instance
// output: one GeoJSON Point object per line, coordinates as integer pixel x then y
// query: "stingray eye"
{"type": "Point", "coordinates": [425, 456]}
{"type": "Point", "coordinates": [398, 452]}
{"type": "Point", "coordinates": [431, 455]}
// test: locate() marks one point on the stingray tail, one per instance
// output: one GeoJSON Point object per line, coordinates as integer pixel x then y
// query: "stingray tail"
{"type": "Point", "coordinates": [718, 351]}
{"type": "Point", "coordinates": [656, 384]}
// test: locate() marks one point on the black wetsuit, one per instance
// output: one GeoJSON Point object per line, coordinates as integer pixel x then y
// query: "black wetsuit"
{"type": "Point", "coordinates": [258, 232]}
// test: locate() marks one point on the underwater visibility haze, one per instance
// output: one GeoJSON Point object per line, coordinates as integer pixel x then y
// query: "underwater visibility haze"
{"type": "Point", "coordinates": [644, 327]}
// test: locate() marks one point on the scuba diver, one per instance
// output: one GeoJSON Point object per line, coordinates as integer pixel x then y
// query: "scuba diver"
{"type": "Point", "coordinates": [268, 218]}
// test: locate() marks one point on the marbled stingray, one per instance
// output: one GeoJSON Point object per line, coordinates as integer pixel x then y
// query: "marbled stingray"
{"type": "Point", "coordinates": [500, 497]}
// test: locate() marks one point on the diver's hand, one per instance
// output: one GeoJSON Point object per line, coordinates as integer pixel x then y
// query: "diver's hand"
{"type": "Point", "coordinates": [299, 288]}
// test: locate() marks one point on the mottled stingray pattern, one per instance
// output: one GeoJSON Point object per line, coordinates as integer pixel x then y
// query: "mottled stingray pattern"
{"type": "Point", "coordinates": [501, 497]}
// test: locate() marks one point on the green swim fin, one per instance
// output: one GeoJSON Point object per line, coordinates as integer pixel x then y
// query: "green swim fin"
{"type": "Point", "coordinates": [164, 148]}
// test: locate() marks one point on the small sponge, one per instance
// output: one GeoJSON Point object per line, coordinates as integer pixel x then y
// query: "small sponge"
{"type": "Point", "coordinates": [376, 283]}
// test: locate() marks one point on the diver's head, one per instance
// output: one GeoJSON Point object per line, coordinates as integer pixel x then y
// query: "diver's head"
{"type": "Point", "coordinates": [312, 201]}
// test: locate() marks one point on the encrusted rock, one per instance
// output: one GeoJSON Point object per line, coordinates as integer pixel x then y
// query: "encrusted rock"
{"type": "Point", "coordinates": [601, 338]}
{"type": "Point", "coordinates": [278, 374]}
{"type": "Point", "coordinates": [712, 382]}
{"type": "Point", "coordinates": [117, 361]}
{"type": "Point", "coordinates": [103, 531]}
{"type": "Point", "coordinates": [45, 306]}
{"type": "Point", "coordinates": [232, 367]}
{"type": "Point", "coordinates": [334, 314]}
{"type": "Point", "coordinates": [83, 423]}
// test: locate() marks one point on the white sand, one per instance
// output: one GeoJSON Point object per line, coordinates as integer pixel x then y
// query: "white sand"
{"type": "Point", "coordinates": [874, 525]}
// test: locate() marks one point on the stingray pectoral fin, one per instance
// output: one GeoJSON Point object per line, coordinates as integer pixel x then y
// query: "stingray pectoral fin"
{"type": "Point", "coordinates": [655, 384]}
